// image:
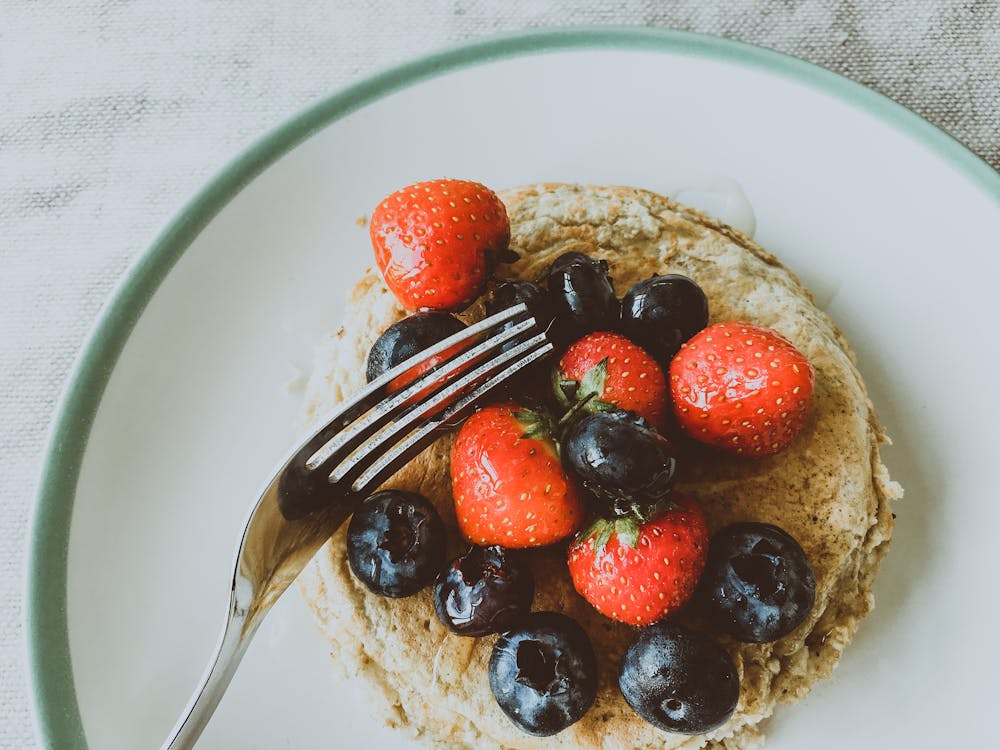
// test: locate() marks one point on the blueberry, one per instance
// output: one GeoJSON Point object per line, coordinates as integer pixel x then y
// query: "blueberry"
{"type": "Point", "coordinates": [509, 293]}
{"type": "Point", "coordinates": [620, 459]}
{"type": "Point", "coordinates": [758, 585]}
{"type": "Point", "coordinates": [582, 293]}
{"type": "Point", "coordinates": [679, 680]}
{"type": "Point", "coordinates": [483, 591]}
{"type": "Point", "coordinates": [572, 258]}
{"type": "Point", "coordinates": [395, 543]}
{"type": "Point", "coordinates": [543, 673]}
{"type": "Point", "coordinates": [663, 312]}
{"type": "Point", "coordinates": [409, 337]}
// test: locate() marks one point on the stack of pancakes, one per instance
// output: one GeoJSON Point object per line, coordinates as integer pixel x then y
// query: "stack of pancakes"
{"type": "Point", "coordinates": [829, 490]}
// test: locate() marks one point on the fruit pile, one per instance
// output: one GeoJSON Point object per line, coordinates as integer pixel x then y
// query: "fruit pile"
{"type": "Point", "coordinates": [592, 466]}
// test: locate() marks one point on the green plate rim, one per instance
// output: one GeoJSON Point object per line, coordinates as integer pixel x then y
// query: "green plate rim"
{"type": "Point", "coordinates": [57, 714]}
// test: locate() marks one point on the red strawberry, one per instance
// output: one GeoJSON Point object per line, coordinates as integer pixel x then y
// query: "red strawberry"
{"type": "Point", "coordinates": [507, 481]}
{"type": "Point", "coordinates": [742, 388]}
{"type": "Point", "coordinates": [616, 372]}
{"type": "Point", "coordinates": [637, 572]}
{"type": "Point", "coordinates": [436, 242]}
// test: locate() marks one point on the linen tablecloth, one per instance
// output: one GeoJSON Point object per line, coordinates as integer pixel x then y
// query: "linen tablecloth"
{"type": "Point", "coordinates": [113, 113]}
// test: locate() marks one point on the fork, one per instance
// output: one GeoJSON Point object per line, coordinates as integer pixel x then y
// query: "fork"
{"type": "Point", "coordinates": [363, 443]}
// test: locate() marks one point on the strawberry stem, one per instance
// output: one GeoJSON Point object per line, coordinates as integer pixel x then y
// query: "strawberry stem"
{"type": "Point", "coordinates": [536, 424]}
{"type": "Point", "coordinates": [563, 388]}
{"type": "Point", "coordinates": [567, 419]}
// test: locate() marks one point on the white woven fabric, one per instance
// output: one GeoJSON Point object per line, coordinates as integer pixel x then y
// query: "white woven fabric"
{"type": "Point", "coordinates": [114, 113]}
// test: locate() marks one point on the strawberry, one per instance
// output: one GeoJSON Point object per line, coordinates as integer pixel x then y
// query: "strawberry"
{"type": "Point", "coordinates": [637, 571]}
{"type": "Point", "coordinates": [437, 242]}
{"type": "Point", "coordinates": [741, 388]}
{"type": "Point", "coordinates": [611, 370]}
{"type": "Point", "coordinates": [507, 481]}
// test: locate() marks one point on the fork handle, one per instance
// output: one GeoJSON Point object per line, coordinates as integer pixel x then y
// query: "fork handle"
{"type": "Point", "coordinates": [236, 635]}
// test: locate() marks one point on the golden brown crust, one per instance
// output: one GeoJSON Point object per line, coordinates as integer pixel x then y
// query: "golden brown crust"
{"type": "Point", "coordinates": [829, 490]}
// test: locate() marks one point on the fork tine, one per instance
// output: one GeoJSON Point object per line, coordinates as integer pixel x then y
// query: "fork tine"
{"type": "Point", "coordinates": [354, 463]}
{"type": "Point", "coordinates": [349, 439]}
{"type": "Point", "coordinates": [301, 491]}
{"type": "Point", "coordinates": [471, 331]}
{"type": "Point", "coordinates": [374, 392]}
{"type": "Point", "coordinates": [391, 461]}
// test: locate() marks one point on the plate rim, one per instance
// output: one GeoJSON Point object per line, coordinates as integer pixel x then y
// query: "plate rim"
{"type": "Point", "coordinates": [57, 718]}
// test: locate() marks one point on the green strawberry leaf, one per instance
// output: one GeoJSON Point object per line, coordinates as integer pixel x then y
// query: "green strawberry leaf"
{"type": "Point", "coordinates": [567, 419]}
{"type": "Point", "coordinates": [588, 533]}
{"type": "Point", "coordinates": [564, 389]}
{"type": "Point", "coordinates": [536, 424]}
{"type": "Point", "coordinates": [627, 530]}
{"type": "Point", "coordinates": [603, 535]}
{"type": "Point", "coordinates": [597, 405]}
{"type": "Point", "coordinates": [535, 431]}
{"type": "Point", "coordinates": [595, 378]}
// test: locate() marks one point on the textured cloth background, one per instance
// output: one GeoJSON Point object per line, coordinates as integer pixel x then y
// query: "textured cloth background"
{"type": "Point", "coordinates": [113, 113]}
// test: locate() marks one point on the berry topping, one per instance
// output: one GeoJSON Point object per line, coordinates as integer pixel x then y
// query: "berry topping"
{"type": "Point", "coordinates": [758, 585]}
{"type": "Point", "coordinates": [679, 680]}
{"type": "Point", "coordinates": [662, 313]}
{"type": "Point", "coordinates": [543, 673]}
{"type": "Point", "coordinates": [509, 293]}
{"type": "Point", "coordinates": [635, 366]}
{"type": "Point", "coordinates": [508, 484]}
{"type": "Point", "coordinates": [483, 591]}
{"type": "Point", "coordinates": [407, 338]}
{"type": "Point", "coordinates": [436, 242]}
{"type": "Point", "coordinates": [609, 369]}
{"type": "Point", "coordinates": [582, 293]}
{"type": "Point", "coordinates": [620, 459]}
{"type": "Point", "coordinates": [395, 543]}
{"type": "Point", "coordinates": [741, 388]}
{"type": "Point", "coordinates": [640, 572]}
{"type": "Point", "coordinates": [574, 258]}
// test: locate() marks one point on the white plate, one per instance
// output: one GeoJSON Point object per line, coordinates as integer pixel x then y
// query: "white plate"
{"type": "Point", "coordinates": [892, 223]}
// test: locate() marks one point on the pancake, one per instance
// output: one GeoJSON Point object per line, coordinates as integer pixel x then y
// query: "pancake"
{"type": "Point", "coordinates": [829, 490]}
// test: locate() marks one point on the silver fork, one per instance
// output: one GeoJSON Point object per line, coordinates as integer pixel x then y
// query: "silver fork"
{"type": "Point", "coordinates": [316, 488]}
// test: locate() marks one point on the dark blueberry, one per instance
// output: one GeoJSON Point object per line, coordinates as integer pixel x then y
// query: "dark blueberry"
{"type": "Point", "coordinates": [483, 591]}
{"type": "Point", "coordinates": [571, 258]}
{"type": "Point", "coordinates": [543, 673]}
{"type": "Point", "coordinates": [530, 382]}
{"type": "Point", "coordinates": [679, 680]}
{"type": "Point", "coordinates": [620, 459]}
{"type": "Point", "coordinates": [583, 296]}
{"type": "Point", "coordinates": [758, 585]}
{"type": "Point", "coordinates": [396, 543]}
{"type": "Point", "coordinates": [662, 313]}
{"type": "Point", "coordinates": [509, 293]}
{"type": "Point", "coordinates": [409, 337]}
